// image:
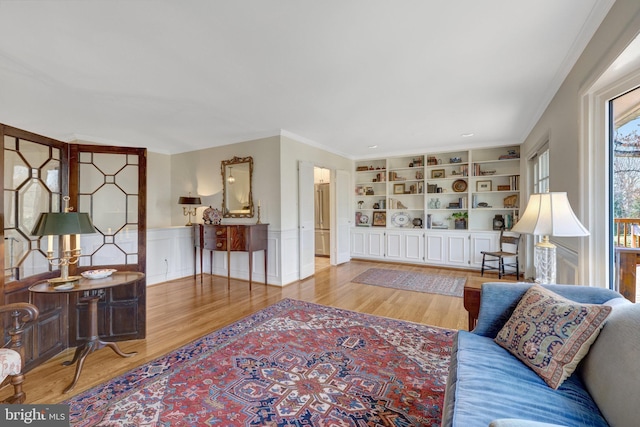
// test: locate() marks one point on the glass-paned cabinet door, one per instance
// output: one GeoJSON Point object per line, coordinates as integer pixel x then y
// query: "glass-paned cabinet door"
{"type": "Point", "coordinates": [33, 185]}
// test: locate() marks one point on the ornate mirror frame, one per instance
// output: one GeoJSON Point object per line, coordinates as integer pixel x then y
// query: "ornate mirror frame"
{"type": "Point", "coordinates": [237, 196]}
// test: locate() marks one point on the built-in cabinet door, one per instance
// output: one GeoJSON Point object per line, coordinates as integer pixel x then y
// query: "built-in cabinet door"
{"type": "Point", "coordinates": [457, 250]}
{"type": "Point", "coordinates": [395, 245]}
{"type": "Point", "coordinates": [375, 243]}
{"type": "Point", "coordinates": [414, 246]}
{"type": "Point", "coordinates": [368, 242]}
{"type": "Point", "coordinates": [435, 248]}
{"type": "Point", "coordinates": [482, 242]}
{"type": "Point", "coordinates": [405, 246]}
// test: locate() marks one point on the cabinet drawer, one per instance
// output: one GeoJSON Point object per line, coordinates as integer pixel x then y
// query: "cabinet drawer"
{"type": "Point", "coordinates": [215, 232]}
{"type": "Point", "coordinates": [215, 244]}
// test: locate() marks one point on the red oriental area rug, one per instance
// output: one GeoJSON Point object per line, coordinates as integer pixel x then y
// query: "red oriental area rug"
{"type": "Point", "coordinates": [291, 364]}
{"type": "Point", "coordinates": [411, 281]}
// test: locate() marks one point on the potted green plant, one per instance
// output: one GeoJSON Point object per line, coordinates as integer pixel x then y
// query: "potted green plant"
{"type": "Point", "coordinates": [460, 219]}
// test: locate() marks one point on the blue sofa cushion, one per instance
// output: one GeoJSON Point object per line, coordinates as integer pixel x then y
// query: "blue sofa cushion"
{"type": "Point", "coordinates": [490, 383]}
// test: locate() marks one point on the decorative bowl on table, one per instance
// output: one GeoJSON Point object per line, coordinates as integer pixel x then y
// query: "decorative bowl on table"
{"type": "Point", "coordinates": [98, 274]}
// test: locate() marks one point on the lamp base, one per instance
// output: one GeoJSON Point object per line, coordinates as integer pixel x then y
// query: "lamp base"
{"type": "Point", "coordinates": [544, 254]}
{"type": "Point", "coordinates": [60, 280]}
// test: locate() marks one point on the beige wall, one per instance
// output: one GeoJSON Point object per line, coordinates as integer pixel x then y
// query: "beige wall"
{"type": "Point", "coordinates": [293, 152]}
{"type": "Point", "coordinates": [198, 172]}
{"type": "Point", "coordinates": [158, 190]}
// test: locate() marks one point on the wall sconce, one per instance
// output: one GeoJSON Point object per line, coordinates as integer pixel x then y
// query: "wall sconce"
{"type": "Point", "coordinates": [187, 211]}
{"type": "Point", "coordinates": [63, 224]}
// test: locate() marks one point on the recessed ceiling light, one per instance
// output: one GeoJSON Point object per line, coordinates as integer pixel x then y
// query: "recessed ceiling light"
{"type": "Point", "coordinates": [373, 146]}
{"type": "Point", "coordinates": [467, 135]}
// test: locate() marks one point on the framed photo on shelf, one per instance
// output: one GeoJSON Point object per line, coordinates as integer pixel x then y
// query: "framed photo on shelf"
{"type": "Point", "coordinates": [483, 186]}
{"type": "Point", "coordinates": [437, 173]}
{"type": "Point", "coordinates": [379, 219]}
{"type": "Point", "coordinates": [398, 188]}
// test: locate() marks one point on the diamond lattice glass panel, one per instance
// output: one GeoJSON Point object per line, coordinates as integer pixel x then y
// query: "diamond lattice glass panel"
{"type": "Point", "coordinates": [127, 179]}
{"type": "Point", "coordinates": [10, 209]}
{"type": "Point", "coordinates": [33, 199]}
{"type": "Point", "coordinates": [34, 263]}
{"type": "Point", "coordinates": [16, 170]}
{"type": "Point", "coordinates": [109, 164]}
{"type": "Point", "coordinates": [127, 239]}
{"type": "Point", "coordinates": [51, 175]}
{"type": "Point", "coordinates": [91, 178]}
{"type": "Point", "coordinates": [108, 255]}
{"type": "Point", "coordinates": [35, 154]}
{"type": "Point", "coordinates": [9, 142]}
{"type": "Point", "coordinates": [132, 214]}
{"type": "Point", "coordinates": [16, 247]}
{"type": "Point", "coordinates": [109, 209]}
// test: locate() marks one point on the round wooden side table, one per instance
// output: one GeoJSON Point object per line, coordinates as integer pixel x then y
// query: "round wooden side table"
{"type": "Point", "coordinates": [92, 290]}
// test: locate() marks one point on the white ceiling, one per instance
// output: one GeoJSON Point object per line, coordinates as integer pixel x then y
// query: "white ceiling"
{"type": "Point", "coordinates": [176, 76]}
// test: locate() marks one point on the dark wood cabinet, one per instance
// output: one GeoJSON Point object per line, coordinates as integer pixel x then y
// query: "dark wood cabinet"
{"type": "Point", "coordinates": [230, 238]}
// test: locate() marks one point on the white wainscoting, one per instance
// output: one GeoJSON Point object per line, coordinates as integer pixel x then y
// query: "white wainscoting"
{"type": "Point", "coordinates": [170, 255]}
{"type": "Point", "coordinates": [567, 265]}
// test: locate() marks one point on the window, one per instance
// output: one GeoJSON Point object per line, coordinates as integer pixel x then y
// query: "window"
{"type": "Point", "coordinates": [541, 170]}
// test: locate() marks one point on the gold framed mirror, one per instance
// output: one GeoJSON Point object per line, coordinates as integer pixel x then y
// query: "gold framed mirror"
{"type": "Point", "coordinates": [237, 197]}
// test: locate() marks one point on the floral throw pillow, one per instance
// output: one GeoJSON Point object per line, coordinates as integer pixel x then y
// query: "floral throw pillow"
{"type": "Point", "coordinates": [551, 334]}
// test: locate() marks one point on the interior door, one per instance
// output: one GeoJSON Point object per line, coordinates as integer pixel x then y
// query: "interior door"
{"type": "Point", "coordinates": [110, 184]}
{"type": "Point", "coordinates": [343, 217]}
{"type": "Point", "coordinates": [306, 219]}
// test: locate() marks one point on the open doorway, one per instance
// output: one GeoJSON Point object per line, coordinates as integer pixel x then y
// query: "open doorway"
{"type": "Point", "coordinates": [322, 216]}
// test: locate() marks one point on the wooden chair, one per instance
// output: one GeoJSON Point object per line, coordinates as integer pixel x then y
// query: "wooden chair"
{"type": "Point", "coordinates": [495, 260]}
{"type": "Point", "coordinates": [12, 352]}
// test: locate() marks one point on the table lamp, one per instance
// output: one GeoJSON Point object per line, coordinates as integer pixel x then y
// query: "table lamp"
{"type": "Point", "coordinates": [63, 224]}
{"type": "Point", "coordinates": [548, 214]}
{"type": "Point", "coordinates": [187, 210]}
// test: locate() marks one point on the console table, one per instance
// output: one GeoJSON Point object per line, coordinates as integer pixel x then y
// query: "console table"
{"type": "Point", "coordinates": [230, 238]}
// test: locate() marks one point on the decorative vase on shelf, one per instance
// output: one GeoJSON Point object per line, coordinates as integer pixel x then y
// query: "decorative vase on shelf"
{"type": "Point", "coordinates": [437, 204]}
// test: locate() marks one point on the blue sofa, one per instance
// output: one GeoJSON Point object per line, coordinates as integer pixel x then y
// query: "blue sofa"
{"type": "Point", "coordinates": [487, 386]}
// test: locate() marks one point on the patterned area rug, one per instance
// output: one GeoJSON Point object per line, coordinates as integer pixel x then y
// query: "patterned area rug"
{"type": "Point", "coordinates": [291, 364]}
{"type": "Point", "coordinates": [410, 281]}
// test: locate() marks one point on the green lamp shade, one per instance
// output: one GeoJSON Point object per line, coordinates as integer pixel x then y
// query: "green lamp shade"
{"type": "Point", "coordinates": [61, 223]}
{"type": "Point", "coordinates": [189, 201]}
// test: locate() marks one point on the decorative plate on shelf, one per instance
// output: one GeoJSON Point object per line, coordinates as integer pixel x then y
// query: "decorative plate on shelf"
{"type": "Point", "coordinates": [459, 185]}
{"type": "Point", "coordinates": [400, 219]}
{"type": "Point", "coordinates": [98, 274]}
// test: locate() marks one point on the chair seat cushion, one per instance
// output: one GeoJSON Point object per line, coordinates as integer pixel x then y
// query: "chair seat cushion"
{"type": "Point", "coordinates": [10, 363]}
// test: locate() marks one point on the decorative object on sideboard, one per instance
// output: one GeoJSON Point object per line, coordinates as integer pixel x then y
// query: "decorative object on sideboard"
{"type": "Point", "coordinates": [63, 224]}
{"type": "Point", "coordinates": [259, 207]}
{"type": "Point", "coordinates": [212, 216]}
{"type": "Point", "coordinates": [548, 214]}
{"type": "Point", "coordinates": [192, 204]}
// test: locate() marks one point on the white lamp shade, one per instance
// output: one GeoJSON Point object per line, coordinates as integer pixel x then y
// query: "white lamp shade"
{"type": "Point", "coordinates": [550, 214]}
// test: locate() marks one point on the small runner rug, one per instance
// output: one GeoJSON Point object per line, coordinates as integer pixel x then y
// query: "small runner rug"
{"type": "Point", "coordinates": [291, 364]}
{"type": "Point", "coordinates": [410, 281]}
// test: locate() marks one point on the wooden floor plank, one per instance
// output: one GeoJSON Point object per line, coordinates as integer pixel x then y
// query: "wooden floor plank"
{"type": "Point", "coordinates": [183, 310]}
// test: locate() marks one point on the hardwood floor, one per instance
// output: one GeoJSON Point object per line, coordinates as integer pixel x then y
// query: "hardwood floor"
{"type": "Point", "coordinates": [183, 310]}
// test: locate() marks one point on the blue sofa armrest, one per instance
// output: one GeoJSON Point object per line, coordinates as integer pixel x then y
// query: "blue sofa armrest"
{"type": "Point", "coordinates": [498, 300]}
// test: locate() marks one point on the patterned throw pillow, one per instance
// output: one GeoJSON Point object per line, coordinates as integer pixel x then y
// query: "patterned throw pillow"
{"type": "Point", "coordinates": [551, 334]}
